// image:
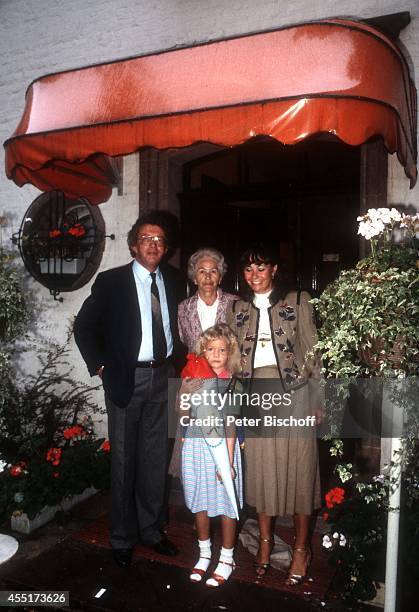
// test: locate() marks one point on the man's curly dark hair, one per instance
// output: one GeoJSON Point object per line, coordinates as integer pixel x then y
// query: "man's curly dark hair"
{"type": "Point", "coordinates": [167, 221]}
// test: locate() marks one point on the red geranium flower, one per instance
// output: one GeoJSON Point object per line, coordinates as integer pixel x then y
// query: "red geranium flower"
{"type": "Point", "coordinates": [71, 432]}
{"type": "Point", "coordinates": [77, 230]}
{"type": "Point", "coordinates": [325, 516]}
{"type": "Point", "coordinates": [106, 446]}
{"type": "Point", "coordinates": [55, 233]}
{"type": "Point", "coordinates": [54, 456]}
{"type": "Point", "coordinates": [56, 474]}
{"type": "Point", "coordinates": [335, 496]}
{"type": "Point", "coordinates": [17, 470]}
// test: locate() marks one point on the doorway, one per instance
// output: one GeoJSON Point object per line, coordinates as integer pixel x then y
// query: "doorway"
{"type": "Point", "coordinates": [303, 198]}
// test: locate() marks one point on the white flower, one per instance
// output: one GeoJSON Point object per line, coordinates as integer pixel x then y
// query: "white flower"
{"type": "Point", "coordinates": [335, 535]}
{"type": "Point", "coordinates": [395, 215]}
{"type": "Point", "coordinates": [327, 543]}
{"type": "Point", "coordinates": [369, 229]}
{"type": "Point", "coordinates": [342, 540]}
{"type": "Point", "coordinates": [377, 220]}
{"type": "Point", "coordinates": [380, 478]}
{"type": "Point", "coordinates": [384, 215]}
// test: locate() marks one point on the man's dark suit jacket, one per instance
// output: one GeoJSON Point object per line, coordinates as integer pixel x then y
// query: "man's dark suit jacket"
{"type": "Point", "coordinates": [108, 329]}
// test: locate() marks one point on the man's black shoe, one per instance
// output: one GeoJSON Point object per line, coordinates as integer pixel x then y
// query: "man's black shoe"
{"type": "Point", "coordinates": [165, 547]}
{"type": "Point", "coordinates": [122, 556]}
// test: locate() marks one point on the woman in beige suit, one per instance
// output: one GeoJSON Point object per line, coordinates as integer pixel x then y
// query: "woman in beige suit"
{"type": "Point", "coordinates": [275, 333]}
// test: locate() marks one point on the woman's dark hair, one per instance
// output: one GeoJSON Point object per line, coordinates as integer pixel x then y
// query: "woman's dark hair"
{"type": "Point", "coordinates": [260, 253]}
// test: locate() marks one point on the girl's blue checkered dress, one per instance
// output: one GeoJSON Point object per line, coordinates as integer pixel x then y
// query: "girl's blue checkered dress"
{"type": "Point", "coordinates": [202, 489]}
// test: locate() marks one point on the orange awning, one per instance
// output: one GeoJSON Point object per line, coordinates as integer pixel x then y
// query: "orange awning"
{"type": "Point", "coordinates": [336, 76]}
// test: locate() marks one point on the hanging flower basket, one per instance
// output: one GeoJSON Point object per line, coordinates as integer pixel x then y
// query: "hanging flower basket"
{"type": "Point", "coordinates": [380, 329]}
{"type": "Point", "coordinates": [373, 353]}
{"type": "Point", "coordinates": [61, 241]}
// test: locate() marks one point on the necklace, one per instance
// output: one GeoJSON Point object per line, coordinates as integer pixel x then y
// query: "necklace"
{"type": "Point", "coordinates": [264, 340]}
{"type": "Point", "coordinates": [220, 441]}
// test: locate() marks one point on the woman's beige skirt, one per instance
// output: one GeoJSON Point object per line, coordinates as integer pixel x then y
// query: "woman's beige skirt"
{"type": "Point", "coordinates": [282, 467]}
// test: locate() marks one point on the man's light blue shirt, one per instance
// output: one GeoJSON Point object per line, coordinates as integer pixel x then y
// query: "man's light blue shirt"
{"type": "Point", "coordinates": [143, 284]}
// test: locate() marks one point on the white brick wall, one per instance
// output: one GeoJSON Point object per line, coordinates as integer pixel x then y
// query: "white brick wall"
{"type": "Point", "coordinates": [43, 36]}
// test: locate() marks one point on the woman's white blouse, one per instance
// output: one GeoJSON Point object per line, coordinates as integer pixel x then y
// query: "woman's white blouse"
{"type": "Point", "coordinates": [264, 354]}
{"type": "Point", "coordinates": [207, 314]}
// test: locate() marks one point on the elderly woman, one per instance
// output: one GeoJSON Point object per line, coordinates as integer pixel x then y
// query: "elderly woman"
{"type": "Point", "coordinates": [208, 306]}
{"type": "Point", "coordinates": [275, 332]}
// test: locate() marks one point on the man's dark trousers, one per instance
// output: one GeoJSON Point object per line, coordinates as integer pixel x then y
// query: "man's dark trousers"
{"type": "Point", "coordinates": [138, 437]}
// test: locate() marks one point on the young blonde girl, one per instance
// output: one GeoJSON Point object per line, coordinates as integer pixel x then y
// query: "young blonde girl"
{"type": "Point", "coordinates": [205, 494]}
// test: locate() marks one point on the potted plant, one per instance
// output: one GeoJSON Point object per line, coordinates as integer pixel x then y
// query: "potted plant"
{"type": "Point", "coordinates": [379, 298]}
{"type": "Point", "coordinates": [370, 330]}
{"type": "Point", "coordinates": [48, 442]}
{"type": "Point", "coordinates": [49, 452]}
{"type": "Point", "coordinates": [65, 249]}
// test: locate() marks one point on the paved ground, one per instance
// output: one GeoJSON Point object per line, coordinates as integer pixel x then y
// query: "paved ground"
{"type": "Point", "coordinates": [51, 559]}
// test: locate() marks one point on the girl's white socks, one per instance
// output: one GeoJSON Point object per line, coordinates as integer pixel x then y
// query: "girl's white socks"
{"type": "Point", "coordinates": [203, 561]}
{"type": "Point", "coordinates": [224, 568]}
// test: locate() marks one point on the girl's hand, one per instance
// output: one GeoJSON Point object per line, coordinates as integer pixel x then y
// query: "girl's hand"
{"type": "Point", "coordinates": [232, 471]}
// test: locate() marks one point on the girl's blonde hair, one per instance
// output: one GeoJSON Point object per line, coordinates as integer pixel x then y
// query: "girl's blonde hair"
{"type": "Point", "coordinates": [221, 330]}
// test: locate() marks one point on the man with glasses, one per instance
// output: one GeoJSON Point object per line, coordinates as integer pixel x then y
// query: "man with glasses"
{"type": "Point", "coordinates": [127, 334]}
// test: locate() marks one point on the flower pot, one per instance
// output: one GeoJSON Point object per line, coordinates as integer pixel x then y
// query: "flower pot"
{"type": "Point", "coordinates": [21, 523]}
{"type": "Point", "coordinates": [375, 355]}
{"type": "Point", "coordinates": [8, 547]}
{"type": "Point", "coordinates": [62, 266]}
{"type": "Point", "coordinates": [379, 599]}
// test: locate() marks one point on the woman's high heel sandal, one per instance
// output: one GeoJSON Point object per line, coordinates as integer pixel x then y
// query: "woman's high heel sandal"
{"type": "Point", "coordinates": [262, 569]}
{"type": "Point", "coordinates": [296, 579]}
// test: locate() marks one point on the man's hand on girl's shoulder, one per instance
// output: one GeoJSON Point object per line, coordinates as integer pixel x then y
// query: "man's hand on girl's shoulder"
{"type": "Point", "coordinates": [190, 385]}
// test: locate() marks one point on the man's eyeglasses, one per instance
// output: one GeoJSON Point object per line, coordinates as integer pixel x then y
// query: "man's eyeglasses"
{"type": "Point", "coordinates": [158, 240]}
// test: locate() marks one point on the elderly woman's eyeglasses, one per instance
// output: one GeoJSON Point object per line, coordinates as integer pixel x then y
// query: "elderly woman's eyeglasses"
{"type": "Point", "coordinates": [158, 240]}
